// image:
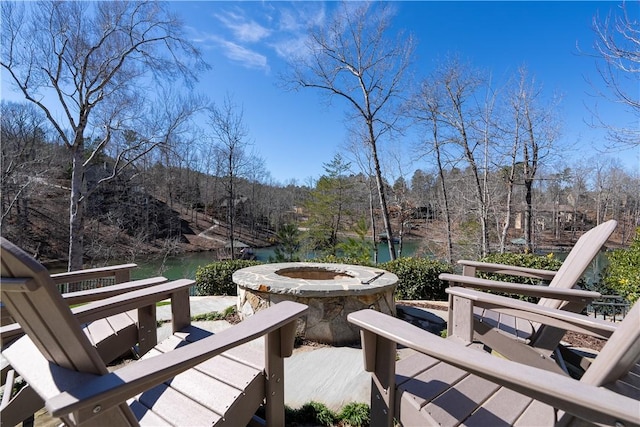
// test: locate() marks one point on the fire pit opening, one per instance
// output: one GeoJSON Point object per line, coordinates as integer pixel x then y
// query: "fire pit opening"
{"type": "Point", "coordinates": [311, 273]}
{"type": "Point", "coordinates": [331, 291]}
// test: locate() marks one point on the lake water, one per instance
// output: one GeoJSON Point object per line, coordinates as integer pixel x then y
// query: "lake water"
{"type": "Point", "coordinates": [185, 266]}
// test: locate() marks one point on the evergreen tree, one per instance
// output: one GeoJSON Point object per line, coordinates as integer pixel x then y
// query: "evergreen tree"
{"type": "Point", "coordinates": [327, 206]}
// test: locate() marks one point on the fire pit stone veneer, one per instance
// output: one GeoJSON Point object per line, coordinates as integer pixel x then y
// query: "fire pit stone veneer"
{"type": "Point", "coordinates": [331, 291]}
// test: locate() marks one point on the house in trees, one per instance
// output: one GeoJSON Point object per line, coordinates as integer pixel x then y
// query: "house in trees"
{"type": "Point", "coordinates": [554, 218]}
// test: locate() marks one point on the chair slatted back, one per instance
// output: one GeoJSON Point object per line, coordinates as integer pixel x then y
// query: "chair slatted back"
{"type": "Point", "coordinates": [579, 259]}
{"type": "Point", "coordinates": [39, 308]}
{"type": "Point", "coordinates": [619, 354]}
{"type": "Point", "coordinates": [29, 293]}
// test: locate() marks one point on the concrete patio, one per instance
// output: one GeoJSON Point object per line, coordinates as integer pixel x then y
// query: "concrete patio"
{"type": "Point", "coordinates": [333, 376]}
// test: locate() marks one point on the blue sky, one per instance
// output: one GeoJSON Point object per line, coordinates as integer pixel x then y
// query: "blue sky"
{"type": "Point", "coordinates": [296, 132]}
{"type": "Point", "coordinates": [247, 44]}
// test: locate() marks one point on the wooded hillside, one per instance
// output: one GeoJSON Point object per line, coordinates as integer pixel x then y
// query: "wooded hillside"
{"type": "Point", "coordinates": [166, 210]}
{"type": "Point", "coordinates": [113, 155]}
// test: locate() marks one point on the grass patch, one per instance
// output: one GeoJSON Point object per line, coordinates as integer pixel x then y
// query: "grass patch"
{"type": "Point", "coordinates": [355, 415]}
{"type": "Point", "coordinates": [317, 414]}
{"type": "Point", "coordinates": [228, 314]}
{"type": "Point", "coordinates": [215, 315]}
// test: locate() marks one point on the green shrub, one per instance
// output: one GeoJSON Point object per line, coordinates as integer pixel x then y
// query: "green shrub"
{"type": "Point", "coordinates": [540, 262]}
{"type": "Point", "coordinates": [215, 278]}
{"type": "Point", "coordinates": [317, 414]}
{"type": "Point", "coordinates": [341, 260]}
{"type": "Point", "coordinates": [359, 247]}
{"type": "Point", "coordinates": [623, 272]}
{"type": "Point", "coordinates": [418, 278]}
{"type": "Point", "coordinates": [528, 260]}
{"type": "Point", "coordinates": [314, 413]}
{"type": "Point", "coordinates": [214, 315]}
{"type": "Point", "coordinates": [355, 415]}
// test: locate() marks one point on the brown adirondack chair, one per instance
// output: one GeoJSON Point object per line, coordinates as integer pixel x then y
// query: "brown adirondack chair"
{"type": "Point", "coordinates": [192, 378]}
{"type": "Point", "coordinates": [449, 382]}
{"type": "Point", "coordinates": [505, 332]}
{"type": "Point", "coordinates": [113, 337]}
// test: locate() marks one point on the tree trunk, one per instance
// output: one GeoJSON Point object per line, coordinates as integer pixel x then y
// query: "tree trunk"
{"type": "Point", "coordinates": [383, 200]}
{"type": "Point", "coordinates": [373, 222]}
{"type": "Point", "coordinates": [445, 201]}
{"type": "Point", "coordinates": [528, 216]}
{"type": "Point", "coordinates": [76, 208]}
{"type": "Point", "coordinates": [231, 207]}
{"type": "Point", "coordinates": [507, 216]}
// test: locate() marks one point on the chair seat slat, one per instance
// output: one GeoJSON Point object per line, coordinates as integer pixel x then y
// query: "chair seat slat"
{"type": "Point", "coordinates": [502, 408]}
{"type": "Point", "coordinates": [460, 400]}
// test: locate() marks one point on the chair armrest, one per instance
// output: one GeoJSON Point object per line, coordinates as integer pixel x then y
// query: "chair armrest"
{"type": "Point", "coordinates": [129, 301]}
{"type": "Point", "coordinates": [592, 403]}
{"type": "Point", "coordinates": [124, 297]}
{"type": "Point", "coordinates": [93, 273]}
{"type": "Point", "coordinates": [80, 297]}
{"type": "Point", "coordinates": [574, 295]}
{"type": "Point", "coordinates": [109, 390]}
{"type": "Point", "coordinates": [89, 295]}
{"type": "Point", "coordinates": [536, 313]}
{"type": "Point", "coordinates": [470, 267]}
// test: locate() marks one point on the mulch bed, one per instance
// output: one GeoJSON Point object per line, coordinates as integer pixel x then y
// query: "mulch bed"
{"type": "Point", "coordinates": [584, 341]}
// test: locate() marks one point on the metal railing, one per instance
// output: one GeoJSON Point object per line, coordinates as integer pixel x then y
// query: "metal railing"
{"type": "Point", "coordinates": [85, 285]}
{"type": "Point", "coordinates": [609, 307]}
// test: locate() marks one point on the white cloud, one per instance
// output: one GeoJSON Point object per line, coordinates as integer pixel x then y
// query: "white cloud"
{"type": "Point", "coordinates": [290, 47]}
{"type": "Point", "coordinates": [243, 29]}
{"type": "Point", "coordinates": [301, 17]}
{"type": "Point", "coordinates": [246, 57]}
{"type": "Point", "coordinates": [293, 26]}
{"type": "Point", "coordinates": [246, 34]}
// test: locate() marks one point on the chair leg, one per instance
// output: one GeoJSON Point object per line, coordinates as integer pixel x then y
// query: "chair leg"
{"type": "Point", "coordinates": [274, 371]}
{"type": "Point", "coordinates": [383, 387]}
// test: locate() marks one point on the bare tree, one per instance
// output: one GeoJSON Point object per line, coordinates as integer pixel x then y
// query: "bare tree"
{"type": "Point", "coordinates": [578, 191]}
{"type": "Point", "coordinates": [487, 133]}
{"type": "Point", "coordinates": [618, 47]}
{"type": "Point", "coordinates": [88, 66]}
{"type": "Point", "coordinates": [353, 58]}
{"type": "Point", "coordinates": [509, 172]}
{"type": "Point", "coordinates": [460, 119]}
{"type": "Point", "coordinates": [365, 164]}
{"type": "Point", "coordinates": [24, 143]}
{"type": "Point", "coordinates": [425, 108]}
{"type": "Point", "coordinates": [231, 137]}
{"type": "Point", "coordinates": [539, 132]}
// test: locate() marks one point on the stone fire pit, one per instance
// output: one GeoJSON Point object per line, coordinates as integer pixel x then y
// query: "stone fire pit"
{"type": "Point", "coordinates": [331, 291]}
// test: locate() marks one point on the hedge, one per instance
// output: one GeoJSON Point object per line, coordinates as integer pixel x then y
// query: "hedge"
{"type": "Point", "coordinates": [216, 278]}
{"type": "Point", "coordinates": [622, 275]}
{"type": "Point", "coordinates": [528, 260]}
{"type": "Point", "coordinates": [418, 278]}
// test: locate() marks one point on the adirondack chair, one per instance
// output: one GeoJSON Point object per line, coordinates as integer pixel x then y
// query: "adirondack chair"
{"type": "Point", "coordinates": [113, 337]}
{"type": "Point", "coordinates": [506, 333]}
{"type": "Point", "coordinates": [192, 378]}
{"type": "Point", "coordinates": [450, 382]}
